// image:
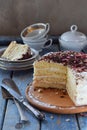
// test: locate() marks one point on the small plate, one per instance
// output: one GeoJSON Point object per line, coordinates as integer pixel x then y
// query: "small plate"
{"type": "Point", "coordinates": [20, 64]}
{"type": "Point", "coordinates": [33, 52]}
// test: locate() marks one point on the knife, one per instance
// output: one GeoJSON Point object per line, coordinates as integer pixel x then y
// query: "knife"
{"type": "Point", "coordinates": [6, 95]}
{"type": "Point", "coordinates": [22, 100]}
{"type": "Point", "coordinates": [19, 107]}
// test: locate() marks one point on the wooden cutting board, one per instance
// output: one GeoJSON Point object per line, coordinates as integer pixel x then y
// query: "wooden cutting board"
{"type": "Point", "coordinates": [52, 100]}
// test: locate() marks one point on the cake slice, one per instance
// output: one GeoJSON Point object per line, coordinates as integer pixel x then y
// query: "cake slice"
{"type": "Point", "coordinates": [63, 70]}
{"type": "Point", "coordinates": [16, 51]}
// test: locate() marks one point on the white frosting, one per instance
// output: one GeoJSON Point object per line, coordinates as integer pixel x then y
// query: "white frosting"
{"type": "Point", "coordinates": [81, 97]}
{"type": "Point", "coordinates": [81, 88]}
{"type": "Point", "coordinates": [77, 86]}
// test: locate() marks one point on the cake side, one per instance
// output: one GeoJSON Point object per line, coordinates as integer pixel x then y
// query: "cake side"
{"type": "Point", "coordinates": [49, 75]}
{"type": "Point", "coordinates": [16, 51]}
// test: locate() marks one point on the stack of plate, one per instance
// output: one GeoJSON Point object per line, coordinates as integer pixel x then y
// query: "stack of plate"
{"type": "Point", "coordinates": [20, 64]}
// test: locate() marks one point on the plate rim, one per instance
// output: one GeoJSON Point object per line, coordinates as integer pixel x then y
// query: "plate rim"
{"type": "Point", "coordinates": [17, 69]}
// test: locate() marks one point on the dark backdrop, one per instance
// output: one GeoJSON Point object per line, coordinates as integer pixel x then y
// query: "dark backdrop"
{"type": "Point", "coordinates": [61, 14]}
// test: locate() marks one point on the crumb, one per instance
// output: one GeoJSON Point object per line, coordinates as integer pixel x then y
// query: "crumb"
{"type": "Point", "coordinates": [40, 90]}
{"type": "Point", "coordinates": [56, 93]}
{"type": "Point", "coordinates": [67, 120]}
{"type": "Point", "coordinates": [51, 117]}
{"type": "Point", "coordinates": [62, 96]}
{"type": "Point", "coordinates": [38, 96]}
{"type": "Point", "coordinates": [64, 90]}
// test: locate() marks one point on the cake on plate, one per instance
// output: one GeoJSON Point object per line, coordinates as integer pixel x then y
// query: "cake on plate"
{"type": "Point", "coordinates": [63, 70]}
{"type": "Point", "coordinates": [16, 51]}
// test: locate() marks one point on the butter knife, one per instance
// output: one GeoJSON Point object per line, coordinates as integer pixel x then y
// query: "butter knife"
{"type": "Point", "coordinates": [22, 100]}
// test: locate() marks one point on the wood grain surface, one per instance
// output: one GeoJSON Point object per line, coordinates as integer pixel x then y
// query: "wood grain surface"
{"type": "Point", "coordinates": [9, 115]}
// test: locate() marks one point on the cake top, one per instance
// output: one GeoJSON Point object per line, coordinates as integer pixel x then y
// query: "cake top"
{"type": "Point", "coordinates": [77, 60]}
{"type": "Point", "coordinates": [16, 51]}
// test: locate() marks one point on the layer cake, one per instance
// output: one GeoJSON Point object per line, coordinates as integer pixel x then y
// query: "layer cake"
{"type": "Point", "coordinates": [16, 51]}
{"type": "Point", "coordinates": [63, 70]}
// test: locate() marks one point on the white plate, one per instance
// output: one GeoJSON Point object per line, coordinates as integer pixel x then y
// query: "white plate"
{"type": "Point", "coordinates": [33, 52]}
{"type": "Point", "coordinates": [20, 64]}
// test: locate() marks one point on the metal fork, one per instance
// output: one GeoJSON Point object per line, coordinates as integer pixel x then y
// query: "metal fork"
{"type": "Point", "coordinates": [23, 118]}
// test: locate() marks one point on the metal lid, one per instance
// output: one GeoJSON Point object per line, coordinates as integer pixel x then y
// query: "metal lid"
{"type": "Point", "coordinates": [73, 35]}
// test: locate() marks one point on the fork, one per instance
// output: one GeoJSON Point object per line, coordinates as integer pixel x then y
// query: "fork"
{"type": "Point", "coordinates": [23, 118]}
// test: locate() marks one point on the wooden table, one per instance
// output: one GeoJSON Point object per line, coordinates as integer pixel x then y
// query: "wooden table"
{"type": "Point", "coordinates": [9, 115]}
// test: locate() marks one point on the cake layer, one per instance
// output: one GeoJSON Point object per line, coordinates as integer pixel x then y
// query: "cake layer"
{"type": "Point", "coordinates": [51, 82]}
{"type": "Point", "coordinates": [53, 74]}
{"type": "Point", "coordinates": [53, 77]}
{"type": "Point", "coordinates": [50, 72]}
{"type": "Point", "coordinates": [42, 84]}
{"type": "Point", "coordinates": [45, 64]}
{"type": "Point", "coordinates": [50, 69]}
{"type": "Point", "coordinates": [50, 79]}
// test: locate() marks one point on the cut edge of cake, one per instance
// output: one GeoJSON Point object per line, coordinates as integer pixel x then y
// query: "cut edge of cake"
{"type": "Point", "coordinates": [49, 76]}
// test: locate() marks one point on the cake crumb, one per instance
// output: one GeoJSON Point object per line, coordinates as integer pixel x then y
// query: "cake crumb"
{"type": "Point", "coordinates": [67, 120]}
{"type": "Point", "coordinates": [51, 117]}
{"type": "Point", "coordinates": [40, 90]}
{"type": "Point", "coordinates": [56, 93]}
{"type": "Point", "coordinates": [40, 97]}
{"type": "Point", "coordinates": [64, 90]}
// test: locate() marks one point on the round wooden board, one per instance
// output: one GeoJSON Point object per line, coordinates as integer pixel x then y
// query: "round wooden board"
{"type": "Point", "coordinates": [52, 100]}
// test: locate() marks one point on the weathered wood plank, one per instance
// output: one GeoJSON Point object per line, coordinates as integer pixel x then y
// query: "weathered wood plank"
{"type": "Point", "coordinates": [3, 74]}
{"type": "Point", "coordinates": [59, 122]}
{"type": "Point", "coordinates": [12, 117]}
{"type": "Point", "coordinates": [22, 79]}
{"type": "Point", "coordinates": [82, 120]}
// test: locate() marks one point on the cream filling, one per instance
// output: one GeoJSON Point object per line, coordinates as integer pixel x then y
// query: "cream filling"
{"type": "Point", "coordinates": [53, 70]}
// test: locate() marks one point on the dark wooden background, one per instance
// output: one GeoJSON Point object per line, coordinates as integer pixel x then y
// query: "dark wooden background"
{"type": "Point", "coordinates": [15, 15]}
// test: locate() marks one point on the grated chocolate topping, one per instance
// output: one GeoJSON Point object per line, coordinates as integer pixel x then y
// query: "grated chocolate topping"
{"type": "Point", "coordinates": [77, 60]}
